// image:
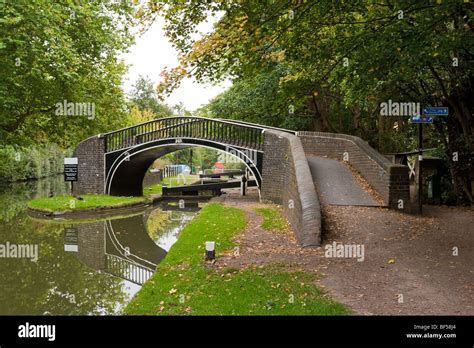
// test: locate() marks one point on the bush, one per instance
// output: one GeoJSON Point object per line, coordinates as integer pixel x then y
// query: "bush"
{"type": "Point", "coordinates": [26, 163]}
{"type": "Point", "coordinates": [449, 198]}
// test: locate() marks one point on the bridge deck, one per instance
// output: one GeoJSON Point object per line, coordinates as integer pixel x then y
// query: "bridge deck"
{"type": "Point", "coordinates": [336, 185]}
{"type": "Point", "coordinates": [239, 134]}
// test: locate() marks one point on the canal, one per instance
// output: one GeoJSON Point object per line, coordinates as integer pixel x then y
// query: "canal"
{"type": "Point", "coordinates": [71, 267]}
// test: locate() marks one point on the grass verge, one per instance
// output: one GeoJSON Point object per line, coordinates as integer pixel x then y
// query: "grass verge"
{"type": "Point", "coordinates": [273, 219]}
{"type": "Point", "coordinates": [68, 203]}
{"type": "Point", "coordinates": [185, 285]}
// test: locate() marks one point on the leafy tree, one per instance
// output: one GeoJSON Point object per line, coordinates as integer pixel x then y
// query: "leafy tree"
{"type": "Point", "coordinates": [137, 116]}
{"type": "Point", "coordinates": [196, 156]}
{"type": "Point", "coordinates": [260, 99]}
{"type": "Point", "coordinates": [181, 110]}
{"type": "Point", "coordinates": [344, 57]}
{"type": "Point", "coordinates": [52, 51]}
{"type": "Point", "coordinates": [144, 97]}
{"type": "Point", "coordinates": [33, 162]}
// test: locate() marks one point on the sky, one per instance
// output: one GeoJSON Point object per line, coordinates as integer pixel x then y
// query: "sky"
{"type": "Point", "coordinates": [152, 52]}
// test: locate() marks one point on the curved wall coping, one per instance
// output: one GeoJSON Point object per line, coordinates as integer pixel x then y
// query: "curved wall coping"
{"type": "Point", "coordinates": [310, 219]}
{"type": "Point", "coordinates": [381, 160]}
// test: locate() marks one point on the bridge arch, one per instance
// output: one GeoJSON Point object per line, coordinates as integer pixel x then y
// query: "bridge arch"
{"type": "Point", "coordinates": [129, 152]}
{"type": "Point", "coordinates": [126, 169]}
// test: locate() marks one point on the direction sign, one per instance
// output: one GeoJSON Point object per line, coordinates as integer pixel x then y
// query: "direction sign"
{"type": "Point", "coordinates": [435, 111]}
{"type": "Point", "coordinates": [70, 169]}
{"type": "Point", "coordinates": [421, 119]}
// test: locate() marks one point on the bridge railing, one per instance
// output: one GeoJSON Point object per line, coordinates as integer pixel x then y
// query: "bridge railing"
{"type": "Point", "coordinates": [218, 130]}
{"type": "Point", "coordinates": [127, 270]}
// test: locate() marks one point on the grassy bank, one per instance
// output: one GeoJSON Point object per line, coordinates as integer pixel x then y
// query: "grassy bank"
{"type": "Point", "coordinates": [156, 189]}
{"type": "Point", "coordinates": [68, 203]}
{"type": "Point", "coordinates": [185, 285]}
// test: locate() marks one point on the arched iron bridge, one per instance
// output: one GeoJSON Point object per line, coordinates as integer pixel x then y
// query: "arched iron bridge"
{"type": "Point", "coordinates": [129, 152]}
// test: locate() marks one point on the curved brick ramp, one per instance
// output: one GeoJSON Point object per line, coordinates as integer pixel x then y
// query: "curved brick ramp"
{"type": "Point", "coordinates": [336, 185]}
{"type": "Point", "coordinates": [287, 181]}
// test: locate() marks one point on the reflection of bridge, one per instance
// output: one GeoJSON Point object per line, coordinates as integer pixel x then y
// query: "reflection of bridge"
{"type": "Point", "coordinates": [130, 253]}
{"type": "Point", "coordinates": [115, 163]}
{"type": "Point", "coordinates": [127, 270]}
{"type": "Point", "coordinates": [121, 247]}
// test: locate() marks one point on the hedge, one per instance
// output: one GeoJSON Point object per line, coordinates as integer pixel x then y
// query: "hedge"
{"type": "Point", "coordinates": [28, 163]}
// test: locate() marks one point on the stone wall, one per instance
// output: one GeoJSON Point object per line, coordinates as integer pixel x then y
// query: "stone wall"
{"type": "Point", "coordinates": [287, 181]}
{"type": "Point", "coordinates": [388, 179]}
{"type": "Point", "coordinates": [91, 166]}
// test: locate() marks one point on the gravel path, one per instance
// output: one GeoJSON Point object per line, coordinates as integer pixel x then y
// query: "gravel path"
{"type": "Point", "coordinates": [409, 266]}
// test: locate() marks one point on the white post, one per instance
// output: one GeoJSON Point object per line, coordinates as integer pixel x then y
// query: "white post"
{"type": "Point", "coordinates": [210, 251]}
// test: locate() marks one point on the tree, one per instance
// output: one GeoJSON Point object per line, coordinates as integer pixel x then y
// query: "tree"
{"type": "Point", "coordinates": [144, 97]}
{"type": "Point", "coordinates": [57, 51]}
{"type": "Point", "coordinates": [195, 156]}
{"type": "Point", "coordinates": [260, 99]}
{"type": "Point", "coordinates": [353, 54]}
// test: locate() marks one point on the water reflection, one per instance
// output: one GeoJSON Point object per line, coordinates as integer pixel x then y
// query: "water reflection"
{"type": "Point", "coordinates": [14, 197]}
{"type": "Point", "coordinates": [88, 268]}
{"type": "Point", "coordinates": [120, 247]}
{"type": "Point", "coordinates": [124, 247]}
{"type": "Point", "coordinates": [176, 218]}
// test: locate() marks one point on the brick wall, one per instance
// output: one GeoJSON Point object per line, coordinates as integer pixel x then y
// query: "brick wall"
{"type": "Point", "coordinates": [91, 244]}
{"type": "Point", "coordinates": [388, 179]}
{"type": "Point", "coordinates": [287, 181]}
{"type": "Point", "coordinates": [90, 154]}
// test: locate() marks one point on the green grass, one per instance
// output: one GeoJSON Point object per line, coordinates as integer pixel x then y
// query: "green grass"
{"type": "Point", "coordinates": [185, 285]}
{"type": "Point", "coordinates": [156, 189]}
{"type": "Point", "coordinates": [68, 203]}
{"type": "Point", "coordinates": [273, 219]}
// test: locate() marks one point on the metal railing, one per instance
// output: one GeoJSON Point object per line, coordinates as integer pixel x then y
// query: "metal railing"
{"type": "Point", "coordinates": [217, 130]}
{"type": "Point", "coordinates": [127, 269]}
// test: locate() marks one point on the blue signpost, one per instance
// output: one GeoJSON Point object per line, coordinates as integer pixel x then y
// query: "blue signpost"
{"type": "Point", "coordinates": [421, 119]}
{"type": "Point", "coordinates": [427, 117]}
{"type": "Point", "coordinates": [436, 111]}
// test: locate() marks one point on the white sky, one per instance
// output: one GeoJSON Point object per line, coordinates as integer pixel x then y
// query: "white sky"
{"type": "Point", "coordinates": [153, 52]}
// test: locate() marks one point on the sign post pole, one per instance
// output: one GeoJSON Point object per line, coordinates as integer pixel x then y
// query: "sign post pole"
{"type": "Point", "coordinates": [426, 117]}
{"type": "Point", "coordinates": [420, 167]}
{"type": "Point", "coordinates": [70, 170]}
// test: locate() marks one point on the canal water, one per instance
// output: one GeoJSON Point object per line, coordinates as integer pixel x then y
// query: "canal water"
{"type": "Point", "coordinates": [66, 267]}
